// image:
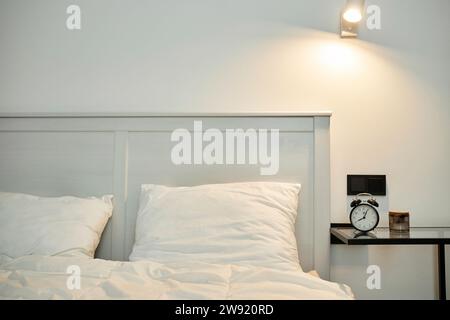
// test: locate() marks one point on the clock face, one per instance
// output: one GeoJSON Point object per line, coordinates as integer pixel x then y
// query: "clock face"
{"type": "Point", "coordinates": [364, 217]}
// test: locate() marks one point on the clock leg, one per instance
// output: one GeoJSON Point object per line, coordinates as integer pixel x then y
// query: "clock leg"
{"type": "Point", "coordinates": [441, 272]}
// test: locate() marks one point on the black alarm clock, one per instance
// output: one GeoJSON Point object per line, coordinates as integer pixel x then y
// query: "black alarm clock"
{"type": "Point", "coordinates": [364, 216]}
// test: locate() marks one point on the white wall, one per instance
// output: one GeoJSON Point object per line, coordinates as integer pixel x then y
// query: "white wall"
{"type": "Point", "coordinates": [389, 90]}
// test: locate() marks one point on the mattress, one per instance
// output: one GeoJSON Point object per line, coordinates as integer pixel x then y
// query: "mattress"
{"type": "Point", "coordinates": [46, 277]}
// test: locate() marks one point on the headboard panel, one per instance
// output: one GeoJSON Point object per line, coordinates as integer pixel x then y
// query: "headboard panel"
{"type": "Point", "coordinates": [83, 155]}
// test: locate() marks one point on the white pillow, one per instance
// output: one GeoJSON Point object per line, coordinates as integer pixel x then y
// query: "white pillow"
{"type": "Point", "coordinates": [237, 223]}
{"type": "Point", "coordinates": [51, 226]}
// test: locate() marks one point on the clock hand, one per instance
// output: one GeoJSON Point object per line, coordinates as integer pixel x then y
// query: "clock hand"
{"type": "Point", "coordinates": [365, 214]}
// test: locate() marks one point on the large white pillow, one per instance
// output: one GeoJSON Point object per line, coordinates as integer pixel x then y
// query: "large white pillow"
{"type": "Point", "coordinates": [237, 223]}
{"type": "Point", "coordinates": [51, 226]}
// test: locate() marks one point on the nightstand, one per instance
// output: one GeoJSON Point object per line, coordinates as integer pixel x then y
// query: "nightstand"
{"type": "Point", "coordinates": [342, 233]}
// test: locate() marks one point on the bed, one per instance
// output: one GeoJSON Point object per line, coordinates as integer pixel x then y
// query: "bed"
{"type": "Point", "coordinates": [40, 277]}
{"type": "Point", "coordinates": [98, 154]}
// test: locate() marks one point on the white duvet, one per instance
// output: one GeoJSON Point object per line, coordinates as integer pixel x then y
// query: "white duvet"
{"type": "Point", "coordinates": [43, 277]}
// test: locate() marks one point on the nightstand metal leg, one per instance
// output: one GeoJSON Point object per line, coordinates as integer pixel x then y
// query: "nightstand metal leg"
{"type": "Point", "coordinates": [441, 272]}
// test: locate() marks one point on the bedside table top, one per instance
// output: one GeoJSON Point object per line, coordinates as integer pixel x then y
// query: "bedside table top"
{"type": "Point", "coordinates": [382, 236]}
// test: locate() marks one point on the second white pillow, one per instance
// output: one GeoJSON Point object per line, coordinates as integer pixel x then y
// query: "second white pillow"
{"type": "Point", "coordinates": [51, 226]}
{"type": "Point", "coordinates": [237, 223]}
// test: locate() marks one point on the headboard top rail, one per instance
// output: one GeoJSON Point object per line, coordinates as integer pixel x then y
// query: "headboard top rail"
{"type": "Point", "coordinates": [165, 115]}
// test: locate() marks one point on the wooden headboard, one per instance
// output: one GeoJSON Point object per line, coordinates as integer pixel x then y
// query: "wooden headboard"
{"type": "Point", "coordinates": [96, 154]}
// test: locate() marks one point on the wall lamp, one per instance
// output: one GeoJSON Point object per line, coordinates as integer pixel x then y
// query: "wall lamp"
{"type": "Point", "coordinates": [350, 18]}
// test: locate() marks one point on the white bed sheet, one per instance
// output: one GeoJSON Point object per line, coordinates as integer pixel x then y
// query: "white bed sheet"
{"type": "Point", "coordinates": [43, 277]}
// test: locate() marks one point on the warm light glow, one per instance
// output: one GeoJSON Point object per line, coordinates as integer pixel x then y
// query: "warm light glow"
{"type": "Point", "coordinates": [337, 56]}
{"type": "Point", "coordinates": [352, 15]}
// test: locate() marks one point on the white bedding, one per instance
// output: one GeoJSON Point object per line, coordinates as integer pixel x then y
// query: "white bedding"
{"type": "Point", "coordinates": [52, 225]}
{"type": "Point", "coordinates": [245, 223]}
{"type": "Point", "coordinates": [43, 277]}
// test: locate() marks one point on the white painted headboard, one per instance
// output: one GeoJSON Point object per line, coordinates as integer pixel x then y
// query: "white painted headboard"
{"type": "Point", "coordinates": [96, 154]}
